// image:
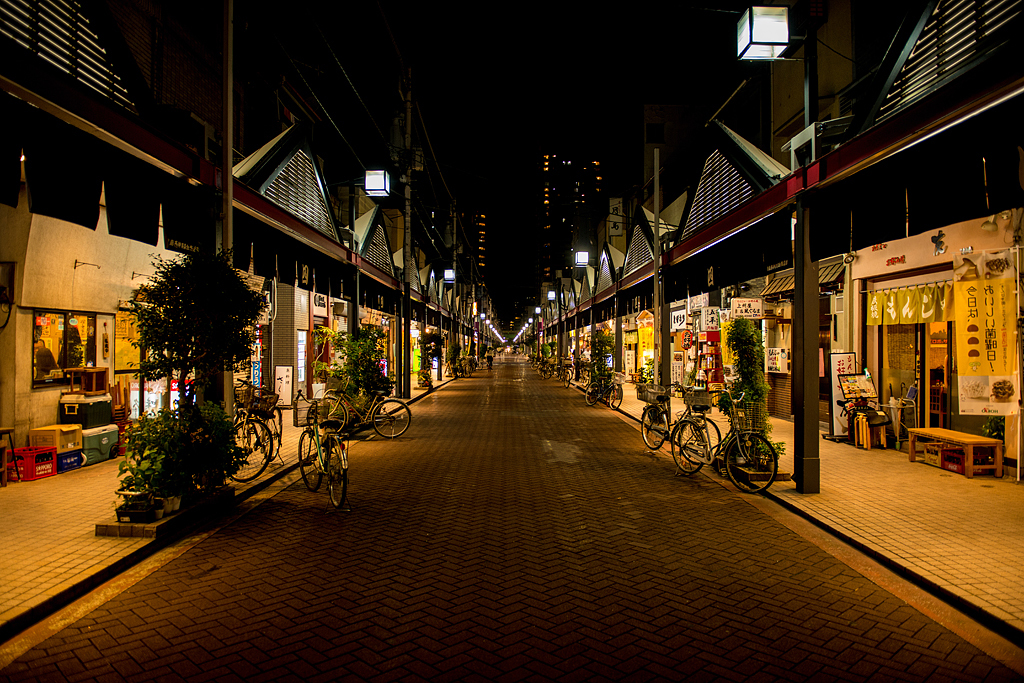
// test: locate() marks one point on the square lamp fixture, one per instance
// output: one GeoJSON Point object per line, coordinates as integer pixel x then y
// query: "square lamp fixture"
{"type": "Point", "coordinates": [582, 258]}
{"type": "Point", "coordinates": [377, 183]}
{"type": "Point", "coordinates": [449, 275]}
{"type": "Point", "coordinates": [762, 32]}
{"type": "Point", "coordinates": [551, 295]}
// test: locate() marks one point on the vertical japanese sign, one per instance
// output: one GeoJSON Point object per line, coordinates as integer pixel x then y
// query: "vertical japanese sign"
{"type": "Point", "coordinates": [842, 363]}
{"type": "Point", "coordinates": [986, 340]}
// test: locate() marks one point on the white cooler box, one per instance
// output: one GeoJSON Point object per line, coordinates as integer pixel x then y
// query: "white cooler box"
{"type": "Point", "coordinates": [98, 444]}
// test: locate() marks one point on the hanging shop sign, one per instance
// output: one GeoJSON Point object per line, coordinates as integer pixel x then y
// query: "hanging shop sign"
{"type": "Point", "coordinates": [698, 301]}
{"type": "Point", "coordinates": [678, 319]}
{"type": "Point", "coordinates": [319, 304]}
{"type": "Point", "coordinates": [709, 319]}
{"type": "Point", "coordinates": [687, 339]}
{"type": "Point", "coordinates": [630, 337]}
{"type": "Point", "coordinates": [930, 303]}
{"type": "Point", "coordinates": [748, 308]}
{"type": "Point", "coordinates": [986, 338]}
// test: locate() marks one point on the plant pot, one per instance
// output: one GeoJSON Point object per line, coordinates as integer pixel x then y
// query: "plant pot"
{"type": "Point", "coordinates": [158, 513]}
{"type": "Point", "coordinates": [175, 502]}
{"type": "Point", "coordinates": [136, 516]}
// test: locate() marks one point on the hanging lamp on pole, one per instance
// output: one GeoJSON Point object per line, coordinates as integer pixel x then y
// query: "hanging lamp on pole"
{"type": "Point", "coordinates": [762, 32]}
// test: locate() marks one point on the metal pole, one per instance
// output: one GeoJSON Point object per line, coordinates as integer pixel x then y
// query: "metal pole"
{"type": "Point", "coordinates": [657, 266]}
{"type": "Point", "coordinates": [227, 224]}
{"type": "Point", "coordinates": [806, 461]}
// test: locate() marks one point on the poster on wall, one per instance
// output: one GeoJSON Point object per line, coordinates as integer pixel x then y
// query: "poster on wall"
{"type": "Point", "coordinates": [776, 360]}
{"type": "Point", "coordinates": [986, 340]}
{"type": "Point", "coordinates": [283, 381]}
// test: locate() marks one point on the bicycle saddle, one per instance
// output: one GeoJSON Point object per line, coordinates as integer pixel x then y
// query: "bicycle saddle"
{"type": "Point", "coordinates": [662, 398]}
{"type": "Point", "coordinates": [700, 409]}
{"type": "Point", "coordinates": [332, 425]}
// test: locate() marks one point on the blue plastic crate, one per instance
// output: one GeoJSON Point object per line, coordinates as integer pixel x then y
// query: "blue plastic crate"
{"type": "Point", "coordinates": [71, 460]}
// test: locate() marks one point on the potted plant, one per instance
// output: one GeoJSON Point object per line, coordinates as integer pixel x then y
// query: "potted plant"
{"type": "Point", "coordinates": [138, 473]}
{"type": "Point", "coordinates": [191, 337]}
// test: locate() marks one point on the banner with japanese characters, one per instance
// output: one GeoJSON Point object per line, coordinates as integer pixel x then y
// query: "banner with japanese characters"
{"type": "Point", "coordinates": [985, 308]}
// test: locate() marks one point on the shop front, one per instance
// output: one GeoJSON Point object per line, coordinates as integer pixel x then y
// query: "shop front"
{"type": "Point", "coordinates": [940, 326]}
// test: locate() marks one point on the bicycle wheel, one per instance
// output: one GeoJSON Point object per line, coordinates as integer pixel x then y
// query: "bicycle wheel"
{"type": "Point", "coordinates": [338, 409]}
{"type": "Point", "coordinates": [714, 436]}
{"type": "Point", "coordinates": [689, 446]}
{"type": "Point", "coordinates": [567, 377]}
{"type": "Point", "coordinates": [593, 393]}
{"type": "Point", "coordinates": [309, 467]}
{"type": "Point", "coordinates": [654, 426]}
{"type": "Point", "coordinates": [337, 473]}
{"type": "Point", "coordinates": [253, 437]}
{"type": "Point", "coordinates": [751, 462]}
{"type": "Point", "coordinates": [391, 418]}
{"type": "Point", "coordinates": [615, 397]}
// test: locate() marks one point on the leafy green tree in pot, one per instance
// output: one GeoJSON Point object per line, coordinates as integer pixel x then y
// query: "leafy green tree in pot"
{"type": "Point", "coordinates": [601, 347]}
{"type": "Point", "coordinates": [195, 318]}
{"type": "Point", "coordinates": [744, 339]}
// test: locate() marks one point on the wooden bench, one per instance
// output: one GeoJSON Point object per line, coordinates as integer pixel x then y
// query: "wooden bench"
{"type": "Point", "coordinates": [966, 441]}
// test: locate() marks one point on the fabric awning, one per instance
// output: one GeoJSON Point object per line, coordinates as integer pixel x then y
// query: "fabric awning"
{"type": "Point", "coordinates": [786, 283]}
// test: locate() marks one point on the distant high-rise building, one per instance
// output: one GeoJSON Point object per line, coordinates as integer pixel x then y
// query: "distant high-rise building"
{"type": "Point", "coordinates": [480, 229]}
{"type": "Point", "coordinates": [569, 189]}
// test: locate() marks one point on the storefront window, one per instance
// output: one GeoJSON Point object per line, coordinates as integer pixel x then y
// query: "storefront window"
{"type": "Point", "coordinates": [60, 341]}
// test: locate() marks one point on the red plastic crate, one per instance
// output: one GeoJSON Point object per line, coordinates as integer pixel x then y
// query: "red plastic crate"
{"type": "Point", "coordinates": [953, 460]}
{"type": "Point", "coordinates": [34, 463]}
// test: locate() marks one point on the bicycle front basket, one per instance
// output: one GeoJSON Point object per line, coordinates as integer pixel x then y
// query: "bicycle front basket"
{"type": "Point", "coordinates": [698, 398]}
{"type": "Point", "coordinates": [649, 393]}
{"type": "Point", "coordinates": [748, 415]}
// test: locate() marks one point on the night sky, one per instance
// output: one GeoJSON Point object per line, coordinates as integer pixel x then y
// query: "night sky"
{"type": "Point", "coordinates": [495, 88]}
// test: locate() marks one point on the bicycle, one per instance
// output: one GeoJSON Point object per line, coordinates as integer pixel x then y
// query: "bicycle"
{"type": "Point", "coordinates": [607, 389]}
{"type": "Point", "coordinates": [255, 429]}
{"type": "Point", "coordinates": [655, 423]}
{"type": "Point", "coordinates": [749, 459]}
{"type": "Point", "coordinates": [319, 456]}
{"type": "Point", "coordinates": [389, 417]}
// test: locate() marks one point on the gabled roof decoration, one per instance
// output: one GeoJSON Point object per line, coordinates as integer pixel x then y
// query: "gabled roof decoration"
{"type": "Point", "coordinates": [736, 171]}
{"type": "Point", "coordinates": [958, 35]}
{"type": "Point", "coordinates": [721, 190]}
{"type": "Point", "coordinates": [59, 33]}
{"type": "Point", "coordinates": [377, 250]}
{"type": "Point", "coordinates": [639, 253]}
{"type": "Point", "coordinates": [605, 279]}
{"type": "Point", "coordinates": [285, 171]}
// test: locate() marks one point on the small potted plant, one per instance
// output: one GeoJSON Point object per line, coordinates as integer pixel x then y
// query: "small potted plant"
{"type": "Point", "coordinates": [138, 472]}
{"type": "Point", "coordinates": [424, 377]}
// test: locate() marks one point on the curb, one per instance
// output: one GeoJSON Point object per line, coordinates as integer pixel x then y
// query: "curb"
{"type": "Point", "coordinates": [988, 620]}
{"type": "Point", "coordinates": [190, 519]}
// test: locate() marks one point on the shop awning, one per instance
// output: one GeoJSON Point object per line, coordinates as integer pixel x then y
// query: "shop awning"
{"type": "Point", "coordinates": [827, 275]}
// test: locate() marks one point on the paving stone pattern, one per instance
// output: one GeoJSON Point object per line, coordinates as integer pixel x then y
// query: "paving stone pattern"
{"type": "Point", "coordinates": [510, 536]}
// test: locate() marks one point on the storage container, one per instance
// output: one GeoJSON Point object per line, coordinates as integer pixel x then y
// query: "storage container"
{"type": "Point", "coordinates": [98, 443]}
{"type": "Point", "coordinates": [88, 411]}
{"type": "Point", "coordinates": [62, 438]}
{"type": "Point", "coordinates": [32, 463]}
{"type": "Point", "coordinates": [71, 460]}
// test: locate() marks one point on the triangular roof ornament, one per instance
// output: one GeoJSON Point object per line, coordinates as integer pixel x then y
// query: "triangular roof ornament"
{"type": "Point", "coordinates": [286, 171]}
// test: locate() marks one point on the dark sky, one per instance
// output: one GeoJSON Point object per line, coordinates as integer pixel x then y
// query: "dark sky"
{"type": "Point", "coordinates": [497, 83]}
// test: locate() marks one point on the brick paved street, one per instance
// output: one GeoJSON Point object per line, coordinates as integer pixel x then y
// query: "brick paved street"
{"type": "Point", "coordinates": [511, 535]}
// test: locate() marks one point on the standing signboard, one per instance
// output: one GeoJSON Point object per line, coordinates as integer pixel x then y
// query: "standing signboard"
{"type": "Point", "coordinates": [841, 363]}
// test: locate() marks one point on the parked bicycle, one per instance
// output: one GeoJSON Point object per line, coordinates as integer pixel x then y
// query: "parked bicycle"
{"type": "Point", "coordinates": [607, 389]}
{"type": "Point", "coordinates": [323, 450]}
{"type": "Point", "coordinates": [655, 422]}
{"type": "Point", "coordinates": [389, 417]}
{"type": "Point", "coordinates": [257, 426]}
{"type": "Point", "coordinates": [749, 459]}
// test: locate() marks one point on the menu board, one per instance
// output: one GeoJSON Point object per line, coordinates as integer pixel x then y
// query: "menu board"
{"type": "Point", "coordinates": [857, 386]}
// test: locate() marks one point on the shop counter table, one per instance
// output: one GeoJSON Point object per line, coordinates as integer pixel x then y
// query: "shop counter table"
{"type": "Point", "coordinates": [965, 441]}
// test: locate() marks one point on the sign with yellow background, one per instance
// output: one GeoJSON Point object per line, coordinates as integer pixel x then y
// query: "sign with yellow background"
{"type": "Point", "coordinates": [986, 341]}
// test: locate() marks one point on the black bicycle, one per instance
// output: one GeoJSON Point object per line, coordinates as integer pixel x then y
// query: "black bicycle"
{"type": "Point", "coordinates": [607, 389]}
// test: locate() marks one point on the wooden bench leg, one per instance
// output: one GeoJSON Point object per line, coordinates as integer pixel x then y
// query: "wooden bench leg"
{"type": "Point", "coordinates": [913, 448]}
{"type": "Point", "coordinates": [969, 461]}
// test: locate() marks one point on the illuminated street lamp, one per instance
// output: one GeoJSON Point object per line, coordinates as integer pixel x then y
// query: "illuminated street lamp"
{"type": "Point", "coordinates": [762, 32]}
{"type": "Point", "coordinates": [377, 183]}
